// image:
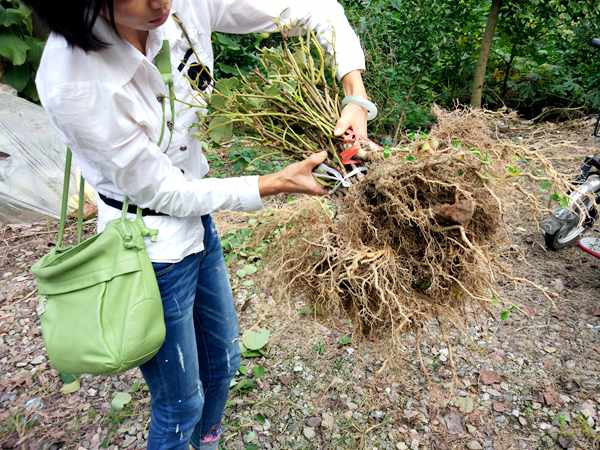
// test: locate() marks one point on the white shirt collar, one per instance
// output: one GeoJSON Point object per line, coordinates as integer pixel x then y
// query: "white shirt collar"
{"type": "Point", "coordinates": [130, 58]}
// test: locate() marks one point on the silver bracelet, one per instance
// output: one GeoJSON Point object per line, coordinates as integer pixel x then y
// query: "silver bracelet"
{"type": "Point", "coordinates": [363, 103]}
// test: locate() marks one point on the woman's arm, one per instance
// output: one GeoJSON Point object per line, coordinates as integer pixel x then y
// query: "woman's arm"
{"type": "Point", "coordinates": [104, 129]}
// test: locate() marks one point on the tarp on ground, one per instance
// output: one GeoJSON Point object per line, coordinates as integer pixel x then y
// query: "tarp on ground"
{"type": "Point", "coordinates": [32, 161]}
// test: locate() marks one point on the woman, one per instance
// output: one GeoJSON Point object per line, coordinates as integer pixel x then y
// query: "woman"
{"type": "Point", "coordinates": [102, 91]}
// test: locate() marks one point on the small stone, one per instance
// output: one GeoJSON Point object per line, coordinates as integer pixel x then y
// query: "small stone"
{"type": "Point", "coordinates": [565, 442]}
{"type": "Point", "coordinates": [515, 413]}
{"type": "Point", "coordinates": [313, 421]}
{"type": "Point", "coordinates": [466, 405]}
{"type": "Point", "coordinates": [590, 421]}
{"type": "Point", "coordinates": [536, 405]}
{"type": "Point", "coordinates": [522, 421]}
{"type": "Point", "coordinates": [352, 405]}
{"type": "Point", "coordinates": [454, 423]}
{"type": "Point", "coordinates": [471, 429]}
{"type": "Point", "coordinates": [21, 364]}
{"type": "Point", "coordinates": [488, 377]}
{"type": "Point", "coordinates": [38, 360]}
{"type": "Point", "coordinates": [377, 415]}
{"type": "Point", "coordinates": [298, 368]}
{"type": "Point", "coordinates": [570, 364]}
{"type": "Point", "coordinates": [587, 409]}
{"type": "Point", "coordinates": [309, 433]}
{"type": "Point", "coordinates": [92, 393]}
{"type": "Point", "coordinates": [328, 421]}
{"type": "Point", "coordinates": [485, 397]}
{"type": "Point", "coordinates": [474, 445]}
{"type": "Point", "coordinates": [128, 441]}
{"type": "Point", "coordinates": [494, 392]}
{"type": "Point", "coordinates": [501, 407]}
{"type": "Point", "coordinates": [559, 285]}
{"type": "Point", "coordinates": [401, 446]}
{"type": "Point", "coordinates": [550, 350]}
{"type": "Point", "coordinates": [551, 397]}
{"type": "Point", "coordinates": [34, 404]}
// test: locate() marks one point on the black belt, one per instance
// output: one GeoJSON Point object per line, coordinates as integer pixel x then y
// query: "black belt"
{"type": "Point", "coordinates": [131, 208]}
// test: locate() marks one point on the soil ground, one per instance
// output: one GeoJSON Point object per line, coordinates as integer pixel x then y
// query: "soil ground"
{"type": "Point", "coordinates": [528, 382]}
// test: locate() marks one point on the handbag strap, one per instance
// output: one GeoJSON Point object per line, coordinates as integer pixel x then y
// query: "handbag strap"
{"type": "Point", "coordinates": [64, 206]}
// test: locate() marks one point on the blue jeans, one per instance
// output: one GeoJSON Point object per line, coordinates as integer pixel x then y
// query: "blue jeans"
{"type": "Point", "coordinates": [190, 375]}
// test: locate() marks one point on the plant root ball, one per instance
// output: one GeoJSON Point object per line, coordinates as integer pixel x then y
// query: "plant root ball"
{"type": "Point", "coordinates": [412, 240]}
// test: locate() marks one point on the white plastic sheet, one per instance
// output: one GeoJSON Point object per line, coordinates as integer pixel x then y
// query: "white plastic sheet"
{"type": "Point", "coordinates": [32, 161]}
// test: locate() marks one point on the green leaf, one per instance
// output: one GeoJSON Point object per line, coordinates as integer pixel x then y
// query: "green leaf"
{"type": "Point", "coordinates": [344, 340]}
{"type": "Point", "coordinates": [545, 186]}
{"type": "Point", "coordinates": [504, 315]}
{"type": "Point", "coordinates": [249, 354]}
{"type": "Point", "coordinates": [18, 76]}
{"type": "Point", "coordinates": [248, 269]}
{"type": "Point", "coordinates": [12, 16]}
{"type": "Point", "coordinates": [387, 152]}
{"type": "Point", "coordinates": [513, 171]}
{"type": "Point", "coordinates": [220, 130]}
{"type": "Point", "coordinates": [13, 48]}
{"type": "Point", "coordinates": [120, 399]}
{"type": "Point", "coordinates": [70, 388]}
{"type": "Point", "coordinates": [411, 158]}
{"type": "Point", "coordinates": [67, 378]}
{"type": "Point", "coordinates": [255, 340]}
{"type": "Point", "coordinates": [36, 48]}
{"type": "Point", "coordinates": [258, 371]}
{"type": "Point", "coordinates": [244, 385]}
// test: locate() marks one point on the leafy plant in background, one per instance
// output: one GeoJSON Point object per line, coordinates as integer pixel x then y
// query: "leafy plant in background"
{"type": "Point", "coordinates": [235, 54]}
{"type": "Point", "coordinates": [20, 49]}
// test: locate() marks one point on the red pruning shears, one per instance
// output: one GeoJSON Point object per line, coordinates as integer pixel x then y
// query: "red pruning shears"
{"type": "Point", "coordinates": [348, 154]}
{"type": "Point", "coordinates": [329, 173]}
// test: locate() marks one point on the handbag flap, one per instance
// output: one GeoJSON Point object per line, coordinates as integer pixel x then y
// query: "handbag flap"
{"type": "Point", "coordinates": [96, 260]}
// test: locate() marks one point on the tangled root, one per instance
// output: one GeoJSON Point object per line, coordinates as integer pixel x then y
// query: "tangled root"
{"type": "Point", "coordinates": [417, 238]}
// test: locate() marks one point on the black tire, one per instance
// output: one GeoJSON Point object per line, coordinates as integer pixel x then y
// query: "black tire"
{"type": "Point", "coordinates": [556, 241]}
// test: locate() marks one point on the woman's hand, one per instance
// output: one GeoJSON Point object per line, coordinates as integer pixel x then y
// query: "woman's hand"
{"type": "Point", "coordinates": [296, 178]}
{"type": "Point", "coordinates": [353, 117]}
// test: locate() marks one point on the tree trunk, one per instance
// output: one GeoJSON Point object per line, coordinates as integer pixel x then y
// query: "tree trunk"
{"type": "Point", "coordinates": [486, 44]}
{"type": "Point", "coordinates": [507, 71]}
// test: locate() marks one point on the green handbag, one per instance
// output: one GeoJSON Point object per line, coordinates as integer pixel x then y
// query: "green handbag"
{"type": "Point", "coordinates": [100, 306]}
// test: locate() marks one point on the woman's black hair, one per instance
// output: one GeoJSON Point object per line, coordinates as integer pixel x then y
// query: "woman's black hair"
{"type": "Point", "coordinates": [74, 19]}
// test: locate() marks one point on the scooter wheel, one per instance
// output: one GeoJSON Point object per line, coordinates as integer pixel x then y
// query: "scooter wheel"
{"type": "Point", "coordinates": [562, 238]}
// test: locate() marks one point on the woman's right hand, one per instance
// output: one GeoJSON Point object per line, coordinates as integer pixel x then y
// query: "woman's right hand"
{"type": "Point", "coordinates": [296, 178]}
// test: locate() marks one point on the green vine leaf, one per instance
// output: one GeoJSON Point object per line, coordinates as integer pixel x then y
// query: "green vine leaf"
{"type": "Point", "coordinates": [13, 48]}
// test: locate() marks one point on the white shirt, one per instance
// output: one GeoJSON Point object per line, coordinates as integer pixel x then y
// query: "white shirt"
{"type": "Point", "coordinates": [104, 104]}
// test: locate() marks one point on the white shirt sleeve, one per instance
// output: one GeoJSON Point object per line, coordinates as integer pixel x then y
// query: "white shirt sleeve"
{"type": "Point", "coordinates": [103, 129]}
{"type": "Point", "coordinates": [325, 17]}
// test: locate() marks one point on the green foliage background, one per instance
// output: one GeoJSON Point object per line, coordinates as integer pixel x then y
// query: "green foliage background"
{"type": "Point", "coordinates": [20, 49]}
{"type": "Point", "coordinates": [421, 51]}
{"type": "Point", "coordinates": [418, 52]}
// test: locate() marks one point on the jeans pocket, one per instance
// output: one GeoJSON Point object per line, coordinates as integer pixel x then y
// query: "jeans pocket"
{"type": "Point", "coordinates": [161, 269]}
